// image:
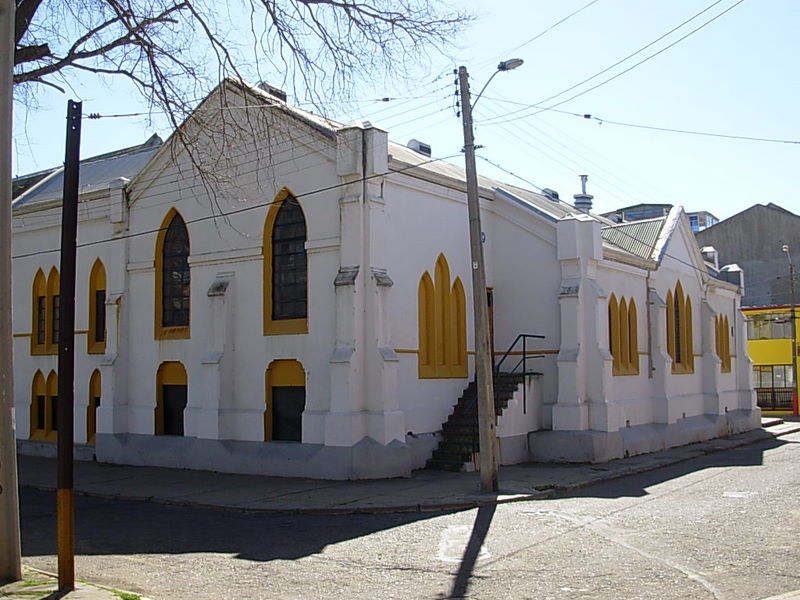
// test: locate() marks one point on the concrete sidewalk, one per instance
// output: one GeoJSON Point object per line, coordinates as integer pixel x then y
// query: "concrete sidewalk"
{"type": "Point", "coordinates": [424, 491]}
{"type": "Point", "coordinates": [40, 585]}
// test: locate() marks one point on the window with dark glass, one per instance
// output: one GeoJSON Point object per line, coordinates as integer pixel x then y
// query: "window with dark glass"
{"type": "Point", "coordinates": [41, 319]}
{"type": "Point", "coordinates": [56, 318]}
{"type": "Point", "coordinates": [289, 263]}
{"type": "Point", "coordinates": [41, 407]}
{"type": "Point", "coordinates": [100, 316]}
{"type": "Point", "coordinates": [175, 275]}
{"type": "Point", "coordinates": [54, 413]}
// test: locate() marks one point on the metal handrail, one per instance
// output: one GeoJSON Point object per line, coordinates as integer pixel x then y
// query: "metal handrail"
{"type": "Point", "coordinates": [522, 361]}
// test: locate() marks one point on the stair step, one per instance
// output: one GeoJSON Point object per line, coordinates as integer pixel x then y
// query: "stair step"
{"type": "Point", "coordinates": [460, 431]}
{"type": "Point", "coordinates": [436, 465]}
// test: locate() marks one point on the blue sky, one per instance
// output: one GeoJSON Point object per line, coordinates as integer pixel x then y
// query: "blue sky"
{"type": "Point", "coordinates": [735, 75]}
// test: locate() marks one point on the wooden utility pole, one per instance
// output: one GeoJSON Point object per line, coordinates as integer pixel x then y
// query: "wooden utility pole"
{"type": "Point", "coordinates": [483, 356]}
{"type": "Point", "coordinates": [65, 513]}
{"type": "Point", "coordinates": [10, 567]}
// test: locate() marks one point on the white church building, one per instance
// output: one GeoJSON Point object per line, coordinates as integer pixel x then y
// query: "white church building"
{"type": "Point", "coordinates": [292, 297]}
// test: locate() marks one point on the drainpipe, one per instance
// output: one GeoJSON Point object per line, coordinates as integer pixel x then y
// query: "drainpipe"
{"type": "Point", "coordinates": [649, 305]}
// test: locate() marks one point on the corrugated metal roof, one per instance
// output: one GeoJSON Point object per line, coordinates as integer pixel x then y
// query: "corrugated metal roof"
{"type": "Point", "coordinates": [95, 173]}
{"type": "Point", "coordinates": [537, 202]}
{"type": "Point", "coordinates": [638, 238]}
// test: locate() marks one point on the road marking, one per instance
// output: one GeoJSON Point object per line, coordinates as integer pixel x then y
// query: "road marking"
{"type": "Point", "coordinates": [453, 543]}
{"type": "Point", "coordinates": [738, 494]}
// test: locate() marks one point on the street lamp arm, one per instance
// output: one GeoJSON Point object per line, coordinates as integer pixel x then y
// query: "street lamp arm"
{"type": "Point", "coordinates": [485, 85]}
{"type": "Point", "coordinates": [506, 65]}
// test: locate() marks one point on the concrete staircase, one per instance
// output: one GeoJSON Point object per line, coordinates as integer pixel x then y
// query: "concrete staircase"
{"type": "Point", "coordinates": [460, 431]}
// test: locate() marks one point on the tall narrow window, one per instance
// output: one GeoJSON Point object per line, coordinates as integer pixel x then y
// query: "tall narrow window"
{"type": "Point", "coordinates": [623, 336]}
{"type": "Point", "coordinates": [442, 323]}
{"type": "Point", "coordinates": [41, 320]}
{"type": "Point", "coordinates": [38, 407]}
{"type": "Point", "coordinates": [44, 407]}
{"type": "Point", "coordinates": [426, 328]}
{"type": "Point", "coordinates": [53, 311]}
{"type": "Point", "coordinates": [723, 342]}
{"type": "Point", "coordinates": [680, 344]}
{"type": "Point", "coordinates": [285, 383]}
{"type": "Point", "coordinates": [95, 391]}
{"type": "Point", "coordinates": [39, 314]}
{"type": "Point", "coordinates": [96, 340]}
{"type": "Point", "coordinates": [285, 268]}
{"type": "Point", "coordinates": [173, 279]}
{"type": "Point", "coordinates": [633, 338]}
{"type": "Point", "coordinates": [171, 398]}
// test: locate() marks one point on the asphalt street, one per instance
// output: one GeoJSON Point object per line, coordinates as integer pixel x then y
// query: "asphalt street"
{"type": "Point", "coordinates": [722, 526]}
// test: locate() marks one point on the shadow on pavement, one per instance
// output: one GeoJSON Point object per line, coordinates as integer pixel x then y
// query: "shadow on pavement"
{"type": "Point", "coordinates": [636, 484]}
{"type": "Point", "coordinates": [483, 520]}
{"type": "Point", "coordinates": [123, 527]}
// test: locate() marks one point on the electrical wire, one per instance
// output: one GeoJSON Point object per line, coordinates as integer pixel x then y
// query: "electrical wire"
{"type": "Point", "coordinates": [541, 33]}
{"type": "Point", "coordinates": [604, 82]}
{"type": "Point", "coordinates": [239, 210]}
{"type": "Point", "coordinates": [629, 56]}
{"type": "Point", "coordinates": [690, 132]}
{"type": "Point", "coordinates": [604, 121]}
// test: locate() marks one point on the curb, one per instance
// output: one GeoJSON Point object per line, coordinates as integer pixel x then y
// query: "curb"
{"type": "Point", "coordinates": [112, 593]}
{"type": "Point", "coordinates": [550, 491]}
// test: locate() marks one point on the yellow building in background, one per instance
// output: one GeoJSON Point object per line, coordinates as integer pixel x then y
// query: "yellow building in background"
{"type": "Point", "coordinates": [772, 344]}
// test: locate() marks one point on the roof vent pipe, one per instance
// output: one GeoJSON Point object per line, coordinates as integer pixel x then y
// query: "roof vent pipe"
{"type": "Point", "coordinates": [273, 91]}
{"type": "Point", "coordinates": [421, 147]}
{"type": "Point", "coordinates": [550, 194]}
{"type": "Point", "coordinates": [583, 201]}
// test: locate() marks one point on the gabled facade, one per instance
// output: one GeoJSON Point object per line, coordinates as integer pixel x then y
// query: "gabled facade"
{"type": "Point", "coordinates": [294, 300]}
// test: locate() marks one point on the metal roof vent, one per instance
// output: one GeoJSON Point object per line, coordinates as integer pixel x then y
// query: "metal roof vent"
{"type": "Point", "coordinates": [551, 194]}
{"type": "Point", "coordinates": [273, 91]}
{"type": "Point", "coordinates": [421, 147]}
{"type": "Point", "coordinates": [583, 201]}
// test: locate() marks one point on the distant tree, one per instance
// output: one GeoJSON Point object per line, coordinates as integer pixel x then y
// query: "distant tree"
{"type": "Point", "coordinates": [174, 51]}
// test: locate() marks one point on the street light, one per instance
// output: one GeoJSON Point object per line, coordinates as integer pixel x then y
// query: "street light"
{"type": "Point", "coordinates": [785, 248]}
{"type": "Point", "coordinates": [483, 357]}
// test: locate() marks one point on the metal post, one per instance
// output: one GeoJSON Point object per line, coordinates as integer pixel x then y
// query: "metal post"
{"type": "Point", "coordinates": [483, 357]}
{"type": "Point", "coordinates": [785, 248]}
{"type": "Point", "coordinates": [10, 566]}
{"type": "Point", "coordinates": [66, 356]}
{"type": "Point", "coordinates": [794, 339]}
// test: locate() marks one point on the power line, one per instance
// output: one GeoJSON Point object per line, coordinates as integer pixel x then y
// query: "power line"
{"type": "Point", "coordinates": [239, 210]}
{"type": "Point", "coordinates": [603, 121]}
{"type": "Point", "coordinates": [690, 132]}
{"type": "Point", "coordinates": [547, 29]}
{"type": "Point", "coordinates": [640, 50]}
{"type": "Point", "coordinates": [602, 83]}
{"type": "Point", "coordinates": [494, 164]}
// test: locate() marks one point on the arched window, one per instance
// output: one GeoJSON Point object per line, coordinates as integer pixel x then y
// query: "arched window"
{"type": "Point", "coordinates": [171, 398]}
{"type": "Point", "coordinates": [172, 279]}
{"type": "Point", "coordinates": [38, 412]}
{"type": "Point", "coordinates": [633, 338]}
{"type": "Point", "coordinates": [623, 336]}
{"type": "Point", "coordinates": [426, 326]}
{"type": "Point", "coordinates": [723, 342]}
{"type": "Point", "coordinates": [53, 311]}
{"type": "Point", "coordinates": [442, 324]}
{"type": "Point", "coordinates": [285, 268]}
{"type": "Point", "coordinates": [44, 407]}
{"type": "Point", "coordinates": [39, 314]}
{"type": "Point", "coordinates": [285, 386]}
{"type": "Point", "coordinates": [96, 338]}
{"type": "Point", "coordinates": [680, 344]}
{"type": "Point", "coordinates": [95, 392]}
